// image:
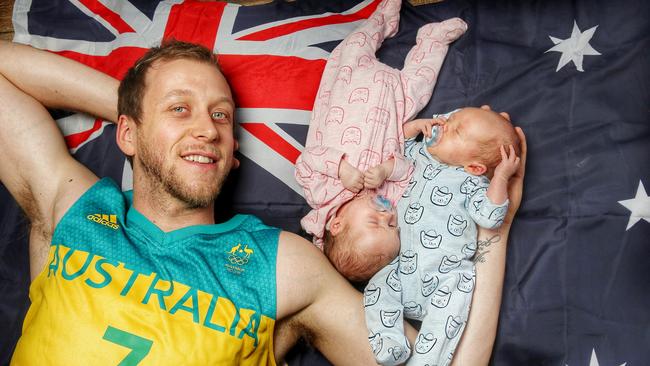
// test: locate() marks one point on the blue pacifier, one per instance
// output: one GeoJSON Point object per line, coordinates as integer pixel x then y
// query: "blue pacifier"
{"type": "Point", "coordinates": [382, 204]}
{"type": "Point", "coordinates": [436, 133]}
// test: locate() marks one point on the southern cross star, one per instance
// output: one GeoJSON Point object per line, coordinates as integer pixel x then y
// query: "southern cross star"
{"type": "Point", "coordinates": [574, 48]}
{"type": "Point", "coordinates": [639, 206]}
{"type": "Point", "coordinates": [594, 359]}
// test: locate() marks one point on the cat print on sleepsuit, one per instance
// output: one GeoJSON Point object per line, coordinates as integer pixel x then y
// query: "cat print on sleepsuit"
{"type": "Point", "coordinates": [360, 108]}
{"type": "Point", "coordinates": [432, 279]}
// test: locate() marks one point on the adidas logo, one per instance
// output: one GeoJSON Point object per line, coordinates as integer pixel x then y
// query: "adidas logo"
{"type": "Point", "coordinates": [106, 220]}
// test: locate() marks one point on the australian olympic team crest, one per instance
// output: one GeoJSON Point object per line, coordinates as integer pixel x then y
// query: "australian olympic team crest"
{"type": "Point", "coordinates": [238, 257]}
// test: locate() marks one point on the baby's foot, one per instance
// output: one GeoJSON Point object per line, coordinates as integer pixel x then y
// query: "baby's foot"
{"type": "Point", "coordinates": [390, 7]}
{"type": "Point", "coordinates": [392, 352]}
{"type": "Point", "coordinates": [447, 31]}
{"type": "Point", "coordinates": [387, 16]}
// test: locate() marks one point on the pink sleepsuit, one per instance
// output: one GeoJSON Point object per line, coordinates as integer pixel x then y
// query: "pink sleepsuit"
{"type": "Point", "coordinates": [360, 108]}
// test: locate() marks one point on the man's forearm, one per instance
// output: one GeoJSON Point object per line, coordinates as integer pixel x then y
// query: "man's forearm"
{"type": "Point", "coordinates": [476, 344]}
{"type": "Point", "coordinates": [58, 82]}
{"type": "Point", "coordinates": [475, 347]}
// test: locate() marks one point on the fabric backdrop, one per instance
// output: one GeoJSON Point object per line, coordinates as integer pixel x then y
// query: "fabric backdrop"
{"type": "Point", "coordinates": [573, 74]}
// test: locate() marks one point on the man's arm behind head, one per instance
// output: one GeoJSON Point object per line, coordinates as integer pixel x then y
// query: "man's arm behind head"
{"type": "Point", "coordinates": [36, 167]}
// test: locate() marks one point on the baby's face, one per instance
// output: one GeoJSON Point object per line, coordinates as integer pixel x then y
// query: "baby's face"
{"type": "Point", "coordinates": [384, 243]}
{"type": "Point", "coordinates": [373, 225]}
{"type": "Point", "coordinates": [461, 135]}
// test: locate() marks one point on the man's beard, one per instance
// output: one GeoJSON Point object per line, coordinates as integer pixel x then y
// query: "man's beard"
{"type": "Point", "coordinates": [170, 182]}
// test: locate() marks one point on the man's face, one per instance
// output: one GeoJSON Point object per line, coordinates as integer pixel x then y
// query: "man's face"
{"type": "Point", "coordinates": [461, 135]}
{"type": "Point", "coordinates": [185, 138]}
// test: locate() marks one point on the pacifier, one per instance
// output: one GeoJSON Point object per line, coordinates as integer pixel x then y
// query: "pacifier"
{"type": "Point", "coordinates": [381, 204]}
{"type": "Point", "coordinates": [436, 134]}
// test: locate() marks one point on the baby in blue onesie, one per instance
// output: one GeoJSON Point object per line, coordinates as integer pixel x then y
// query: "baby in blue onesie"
{"type": "Point", "coordinates": [432, 279]}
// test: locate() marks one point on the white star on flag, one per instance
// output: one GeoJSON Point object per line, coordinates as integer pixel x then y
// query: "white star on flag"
{"type": "Point", "coordinates": [594, 359]}
{"type": "Point", "coordinates": [639, 206]}
{"type": "Point", "coordinates": [574, 48]}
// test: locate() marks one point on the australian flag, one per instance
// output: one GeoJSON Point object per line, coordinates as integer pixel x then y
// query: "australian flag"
{"type": "Point", "coordinates": [574, 75]}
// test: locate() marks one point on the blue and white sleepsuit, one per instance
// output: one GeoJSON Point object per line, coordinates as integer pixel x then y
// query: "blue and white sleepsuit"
{"type": "Point", "coordinates": [432, 279]}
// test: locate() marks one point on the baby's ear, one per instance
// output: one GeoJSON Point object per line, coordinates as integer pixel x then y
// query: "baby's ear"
{"type": "Point", "coordinates": [505, 115]}
{"type": "Point", "coordinates": [486, 107]}
{"type": "Point", "coordinates": [475, 168]}
{"type": "Point", "coordinates": [336, 226]}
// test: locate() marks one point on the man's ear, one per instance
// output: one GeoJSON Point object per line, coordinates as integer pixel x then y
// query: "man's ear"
{"type": "Point", "coordinates": [505, 115]}
{"type": "Point", "coordinates": [125, 135]}
{"type": "Point", "coordinates": [475, 168]}
{"type": "Point", "coordinates": [336, 226]}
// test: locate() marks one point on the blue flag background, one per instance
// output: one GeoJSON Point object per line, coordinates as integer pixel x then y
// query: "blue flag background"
{"type": "Point", "coordinates": [574, 75]}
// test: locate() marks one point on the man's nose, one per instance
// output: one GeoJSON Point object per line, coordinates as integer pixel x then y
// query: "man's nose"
{"type": "Point", "coordinates": [204, 128]}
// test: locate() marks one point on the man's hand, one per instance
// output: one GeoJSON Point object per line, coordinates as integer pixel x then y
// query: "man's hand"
{"type": "Point", "coordinates": [375, 176]}
{"type": "Point", "coordinates": [508, 166]}
{"type": "Point", "coordinates": [351, 177]}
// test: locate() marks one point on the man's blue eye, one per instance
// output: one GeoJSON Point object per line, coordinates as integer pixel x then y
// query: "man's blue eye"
{"type": "Point", "coordinates": [218, 115]}
{"type": "Point", "coordinates": [179, 109]}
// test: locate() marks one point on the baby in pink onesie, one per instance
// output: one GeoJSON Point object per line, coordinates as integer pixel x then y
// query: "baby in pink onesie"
{"type": "Point", "coordinates": [353, 169]}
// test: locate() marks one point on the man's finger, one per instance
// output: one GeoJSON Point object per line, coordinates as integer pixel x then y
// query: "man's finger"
{"type": "Point", "coordinates": [524, 150]}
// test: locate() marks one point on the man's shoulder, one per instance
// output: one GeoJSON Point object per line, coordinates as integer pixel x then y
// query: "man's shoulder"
{"type": "Point", "coordinates": [298, 255]}
{"type": "Point", "coordinates": [293, 241]}
{"type": "Point", "coordinates": [303, 274]}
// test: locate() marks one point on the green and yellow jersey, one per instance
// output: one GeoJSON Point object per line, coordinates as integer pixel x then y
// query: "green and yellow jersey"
{"type": "Point", "coordinates": [119, 291]}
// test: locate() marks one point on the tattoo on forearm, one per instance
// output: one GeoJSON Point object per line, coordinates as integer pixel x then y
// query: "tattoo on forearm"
{"type": "Point", "coordinates": [482, 248]}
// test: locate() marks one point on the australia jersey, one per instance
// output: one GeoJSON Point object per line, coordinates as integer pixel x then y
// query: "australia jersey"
{"type": "Point", "coordinates": [117, 290]}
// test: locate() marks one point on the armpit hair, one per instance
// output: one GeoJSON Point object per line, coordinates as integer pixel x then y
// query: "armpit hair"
{"type": "Point", "coordinates": [27, 202]}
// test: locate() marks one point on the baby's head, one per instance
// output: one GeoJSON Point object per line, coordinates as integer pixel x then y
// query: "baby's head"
{"type": "Point", "coordinates": [363, 237]}
{"type": "Point", "coordinates": [471, 138]}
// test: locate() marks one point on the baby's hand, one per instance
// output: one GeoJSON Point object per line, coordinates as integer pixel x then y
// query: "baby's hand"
{"type": "Point", "coordinates": [440, 120]}
{"type": "Point", "coordinates": [426, 125]}
{"type": "Point", "coordinates": [508, 165]}
{"type": "Point", "coordinates": [422, 125]}
{"type": "Point", "coordinates": [351, 177]}
{"type": "Point", "coordinates": [375, 176]}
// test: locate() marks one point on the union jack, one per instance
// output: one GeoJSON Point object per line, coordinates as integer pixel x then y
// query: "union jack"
{"type": "Point", "coordinates": [273, 62]}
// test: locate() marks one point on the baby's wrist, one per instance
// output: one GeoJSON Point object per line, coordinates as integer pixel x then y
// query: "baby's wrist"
{"type": "Point", "coordinates": [343, 167]}
{"type": "Point", "coordinates": [501, 177]}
